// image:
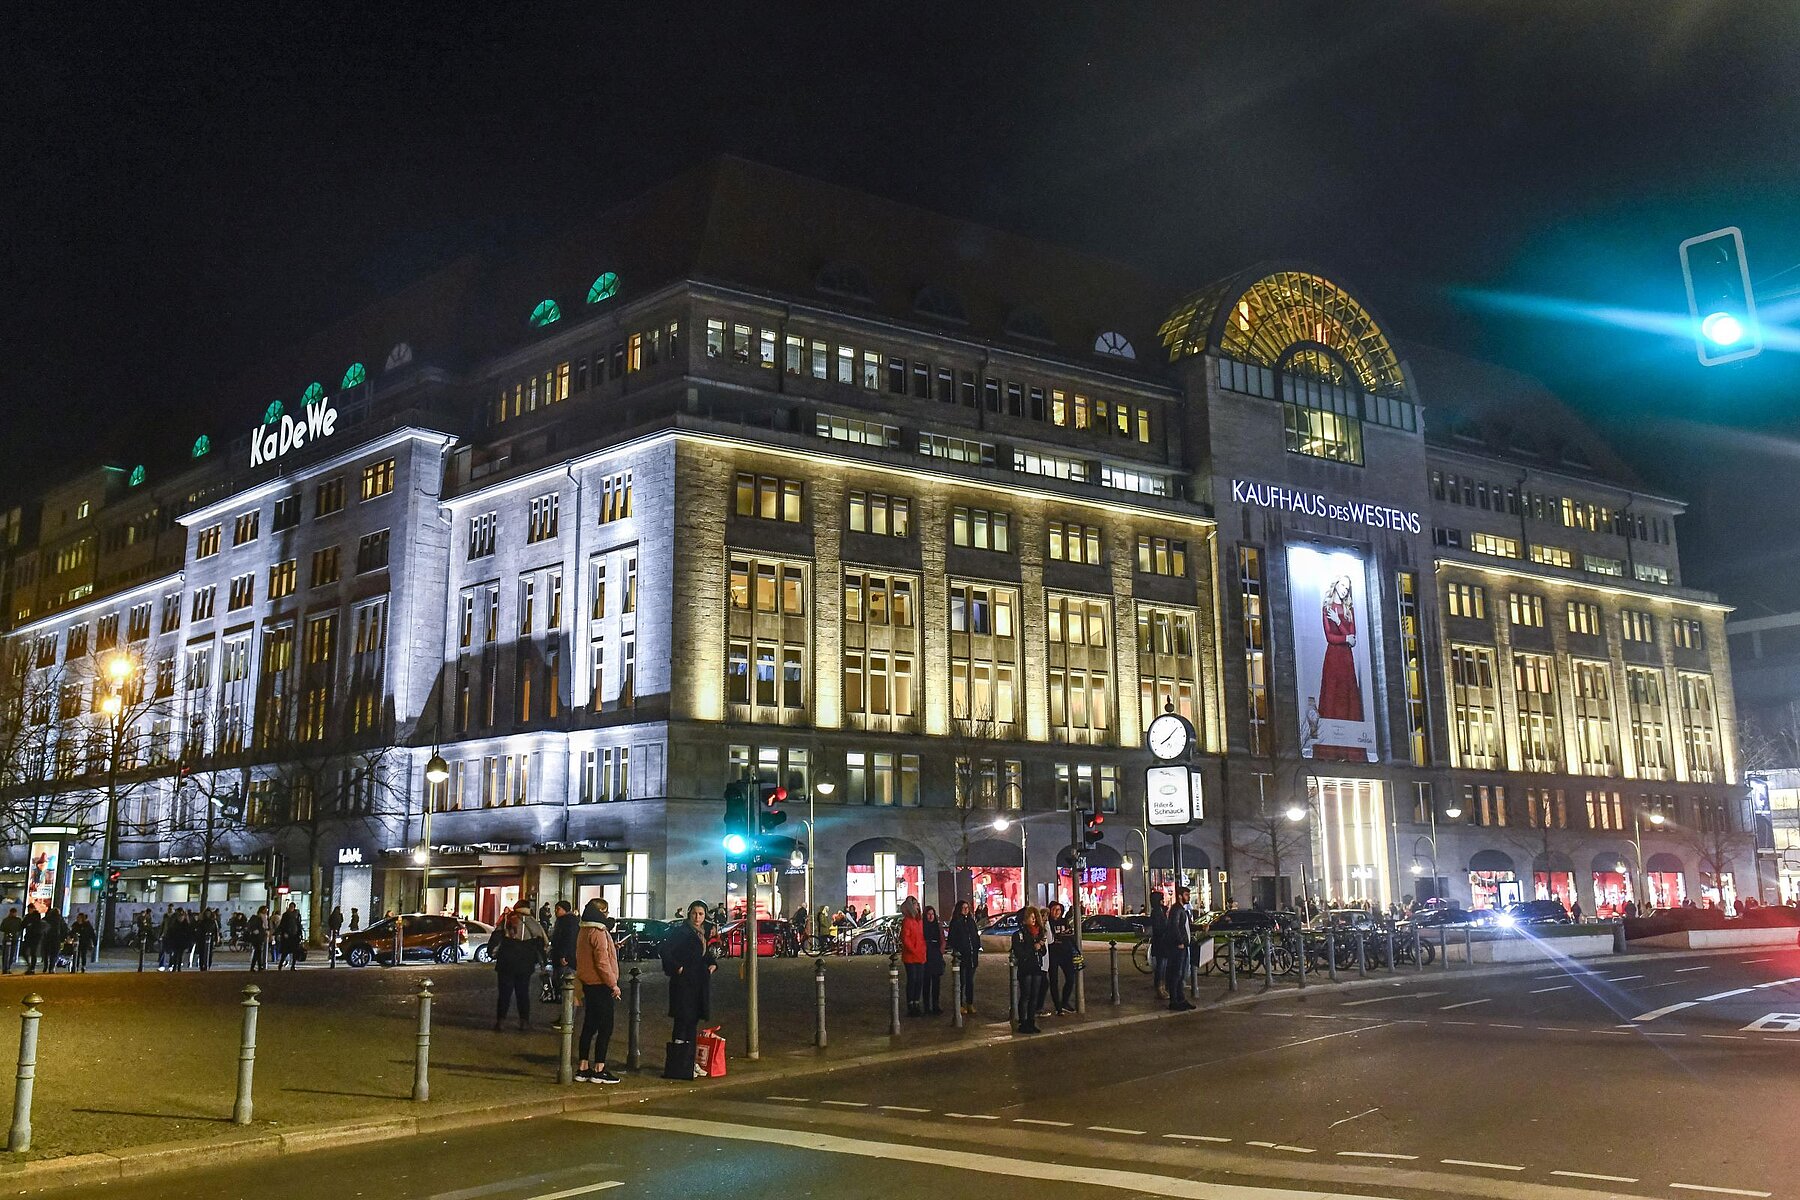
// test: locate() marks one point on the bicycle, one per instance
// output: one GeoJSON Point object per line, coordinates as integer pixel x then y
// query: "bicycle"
{"type": "Point", "coordinates": [1140, 955]}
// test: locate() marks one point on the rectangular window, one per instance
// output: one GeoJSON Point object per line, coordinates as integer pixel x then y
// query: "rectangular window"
{"type": "Point", "coordinates": [377, 479]}
{"type": "Point", "coordinates": [1597, 745]}
{"type": "Point", "coordinates": [1552, 556]}
{"type": "Point", "coordinates": [1321, 434]}
{"type": "Point", "coordinates": [1649, 723]}
{"type": "Point", "coordinates": [878, 513]}
{"type": "Point", "coordinates": [1605, 810]}
{"type": "Point", "coordinates": [1161, 556]}
{"type": "Point", "coordinates": [287, 513]}
{"type": "Point", "coordinates": [1412, 659]}
{"type": "Point", "coordinates": [984, 653]}
{"type": "Point", "coordinates": [615, 498]}
{"type": "Point", "coordinates": [325, 566]}
{"type": "Point", "coordinates": [1499, 547]}
{"type": "Point", "coordinates": [1251, 589]}
{"type": "Point", "coordinates": [1079, 669]}
{"type": "Point", "coordinates": [1635, 626]}
{"type": "Point", "coordinates": [372, 552]}
{"type": "Point", "coordinates": [1466, 600]}
{"type": "Point", "coordinates": [243, 591]}
{"type": "Point", "coordinates": [1687, 633]}
{"type": "Point", "coordinates": [768, 498]}
{"type": "Point", "coordinates": [283, 578]}
{"type": "Point", "coordinates": [1142, 482]}
{"type": "Point", "coordinates": [542, 517]}
{"type": "Point", "coordinates": [1052, 466]}
{"type": "Point", "coordinates": [1488, 804]}
{"type": "Point", "coordinates": [1075, 543]}
{"type": "Point", "coordinates": [1475, 707]}
{"type": "Point", "coordinates": [1584, 618]}
{"type": "Point", "coordinates": [203, 602]}
{"type": "Point", "coordinates": [481, 535]}
{"type": "Point", "coordinates": [954, 449]}
{"type": "Point", "coordinates": [857, 432]}
{"type": "Point", "coordinates": [328, 497]}
{"type": "Point", "coordinates": [1087, 788]}
{"type": "Point", "coordinates": [245, 527]}
{"type": "Point", "coordinates": [1596, 564]}
{"type": "Point", "coordinates": [981, 529]}
{"type": "Point", "coordinates": [1699, 729]}
{"type": "Point", "coordinates": [1650, 573]}
{"type": "Point", "coordinates": [137, 625]}
{"type": "Point", "coordinates": [1540, 740]}
{"type": "Point", "coordinates": [206, 544]}
{"type": "Point", "coordinates": [1526, 609]}
{"type": "Point", "coordinates": [1167, 678]}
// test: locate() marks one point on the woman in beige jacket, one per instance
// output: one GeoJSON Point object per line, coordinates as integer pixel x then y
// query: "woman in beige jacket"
{"type": "Point", "coordinates": [597, 966]}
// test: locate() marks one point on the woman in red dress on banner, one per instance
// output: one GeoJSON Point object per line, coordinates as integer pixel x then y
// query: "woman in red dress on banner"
{"type": "Point", "coordinates": [1340, 692]}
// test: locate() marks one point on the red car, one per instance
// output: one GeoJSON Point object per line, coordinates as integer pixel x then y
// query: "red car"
{"type": "Point", "coordinates": [774, 939]}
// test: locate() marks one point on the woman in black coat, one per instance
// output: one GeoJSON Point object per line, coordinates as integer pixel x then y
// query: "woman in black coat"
{"type": "Point", "coordinates": [965, 941]}
{"type": "Point", "coordinates": [689, 968]}
{"type": "Point", "coordinates": [934, 961]}
{"type": "Point", "coordinates": [1030, 952]}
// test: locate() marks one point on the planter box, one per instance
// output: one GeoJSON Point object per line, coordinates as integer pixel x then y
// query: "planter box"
{"type": "Point", "coordinates": [1714, 939]}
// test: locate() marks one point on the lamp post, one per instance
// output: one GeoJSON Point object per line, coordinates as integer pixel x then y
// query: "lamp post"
{"type": "Point", "coordinates": [825, 787]}
{"type": "Point", "coordinates": [119, 670]}
{"type": "Point", "coordinates": [436, 772]}
{"type": "Point", "coordinates": [1144, 840]}
{"type": "Point", "coordinates": [1002, 824]}
{"type": "Point", "coordinates": [1297, 813]}
{"type": "Point", "coordinates": [1637, 842]}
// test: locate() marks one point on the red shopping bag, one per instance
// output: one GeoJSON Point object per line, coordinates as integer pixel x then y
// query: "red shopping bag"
{"type": "Point", "coordinates": [709, 1053]}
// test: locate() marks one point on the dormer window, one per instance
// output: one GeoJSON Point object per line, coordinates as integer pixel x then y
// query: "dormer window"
{"type": "Point", "coordinates": [1115, 345]}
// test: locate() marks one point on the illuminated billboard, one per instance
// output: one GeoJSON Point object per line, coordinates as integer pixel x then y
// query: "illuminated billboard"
{"type": "Point", "coordinates": [1328, 591]}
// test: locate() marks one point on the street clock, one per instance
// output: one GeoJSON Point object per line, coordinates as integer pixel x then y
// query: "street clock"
{"type": "Point", "coordinates": [1170, 737]}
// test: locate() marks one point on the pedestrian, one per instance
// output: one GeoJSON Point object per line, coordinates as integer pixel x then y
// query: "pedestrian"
{"type": "Point", "coordinates": [689, 966]}
{"type": "Point", "coordinates": [32, 937]}
{"type": "Point", "coordinates": [292, 934]}
{"type": "Point", "coordinates": [1030, 954]}
{"type": "Point", "coordinates": [934, 961]}
{"type": "Point", "coordinates": [965, 941]}
{"type": "Point", "coordinates": [822, 922]}
{"type": "Point", "coordinates": [1180, 943]}
{"type": "Point", "coordinates": [565, 931]}
{"type": "Point", "coordinates": [596, 965]}
{"type": "Point", "coordinates": [1159, 945]}
{"type": "Point", "coordinates": [912, 954]}
{"type": "Point", "coordinates": [516, 955]}
{"type": "Point", "coordinates": [11, 927]}
{"type": "Point", "coordinates": [355, 920]}
{"type": "Point", "coordinates": [1062, 958]}
{"type": "Point", "coordinates": [238, 921]}
{"type": "Point", "coordinates": [1575, 911]}
{"type": "Point", "coordinates": [178, 939]}
{"type": "Point", "coordinates": [545, 915]}
{"type": "Point", "coordinates": [334, 924]}
{"type": "Point", "coordinates": [800, 926]}
{"type": "Point", "coordinates": [84, 943]}
{"type": "Point", "coordinates": [256, 929]}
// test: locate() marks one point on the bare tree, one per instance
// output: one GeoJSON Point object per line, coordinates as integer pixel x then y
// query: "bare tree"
{"type": "Point", "coordinates": [1715, 846]}
{"type": "Point", "coordinates": [986, 784]}
{"type": "Point", "coordinates": [1262, 831]}
{"type": "Point", "coordinates": [1770, 743]}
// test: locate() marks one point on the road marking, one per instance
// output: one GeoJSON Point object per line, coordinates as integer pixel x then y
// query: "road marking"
{"type": "Point", "coordinates": [1346, 1120]}
{"type": "Point", "coordinates": [1774, 1023]}
{"type": "Point", "coordinates": [1684, 971]}
{"type": "Point", "coordinates": [1498, 1025]}
{"type": "Point", "coordinates": [847, 1103]}
{"type": "Point", "coordinates": [790, 1099]}
{"type": "Point", "coordinates": [1661, 1033]}
{"type": "Point", "coordinates": [1560, 1029]}
{"type": "Point", "coordinates": [1467, 1162]}
{"type": "Point", "coordinates": [1601, 1178]}
{"type": "Point", "coordinates": [601, 1187]}
{"type": "Point", "coordinates": [1561, 988]}
{"type": "Point", "coordinates": [1466, 1003]}
{"type": "Point", "coordinates": [1779, 982]}
{"type": "Point", "coordinates": [1115, 1129]}
{"type": "Point", "coordinates": [1194, 1137]}
{"type": "Point", "coordinates": [1298, 1149]}
{"type": "Point", "coordinates": [1664, 1011]}
{"type": "Point", "coordinates": [1719, 1191]}
{"type": "Point", "coordinates": [1750, 962]}
{"type": "Point", "coordinates": [1373, 1154]}
{"type": "Point", "coordinates": [971, 1116]}
{"type": "Point", "coordinates": [1141, 1182]}
{"type": "Point", "coordinates": [1378, 999]}
{"type": "Point", "coordinates": [1619, 978]}
{"type": "Point", "coordinates": [1727, 1037]}
{"type": "Point", "coordinates": [1726, 995]}
{"type": "Point", "coordinates": [902, 1108]}
{"type": "Point", "coordinates": [1263, 1145]}
{"type": "Point", "coordinates": [1036, 1121]}
{"type": "Point", "coordinates": [1470, 1023]}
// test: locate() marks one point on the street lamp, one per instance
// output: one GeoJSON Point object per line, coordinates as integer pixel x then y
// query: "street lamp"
{"type": "Point", "coordinates": [1296, 813]}
{"type": "Point", "coordinates": [436, 772]}
{"type": "Point", "coordinates": [119, 670]}
{"type": "Point", "coordinates": [1144, 840]}
{"type": "Point", "coordinates": [1637, 843]}
{"type": "Point", "coordinates": [824, 787]}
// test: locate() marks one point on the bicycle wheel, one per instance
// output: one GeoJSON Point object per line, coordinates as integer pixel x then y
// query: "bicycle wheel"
{"type": "Point", "coordinates": [1140, 957]}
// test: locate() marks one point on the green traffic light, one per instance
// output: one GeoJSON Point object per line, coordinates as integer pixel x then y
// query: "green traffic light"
{"type": "Point", "coordinates": [1722, 329]}
{"type": "Point", "coordinates": [735, 844]}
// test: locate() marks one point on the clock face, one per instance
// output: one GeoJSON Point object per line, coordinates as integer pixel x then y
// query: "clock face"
{"type": "Point", "coordinates": [1168, 736]}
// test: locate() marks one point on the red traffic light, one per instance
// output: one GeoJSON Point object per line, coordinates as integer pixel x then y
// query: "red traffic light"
{"type": "Point", "coordinates": [778, 795]}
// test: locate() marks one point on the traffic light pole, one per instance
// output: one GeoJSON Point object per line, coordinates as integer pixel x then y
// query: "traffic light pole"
{"type": "Point", "coordinates": [751, 1015]}
{"type": "Point", "coordinates": [206, 849]}
{"type": "Point", "coordinates": [1077, 867]}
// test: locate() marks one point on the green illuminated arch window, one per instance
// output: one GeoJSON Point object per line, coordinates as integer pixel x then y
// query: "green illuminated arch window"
{"type": "Point", "coordinates": [605, 288]}
{"type": "Point", "coordinates": [315, 392]}
{"type": "Point", "coordinates": [354, 377]}
{"type": "Point", "coordinates": [202, 446]}
{"type": "Point", "coordinates": [272, 413]}
{"type": "Point", "coordinates": [546, 313]}
{"type": "Point", "coordinates": [137, 475]}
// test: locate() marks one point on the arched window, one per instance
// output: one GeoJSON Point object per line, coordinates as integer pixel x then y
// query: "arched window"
{"type": "Point", "coordinates": [354, 377]}
{"type": "Point", "coordinates": [137, 476]}
{"type": "Point", "coordinates": [272, 413]}
{"type": "Point", "coordinates": [1115, 344]}
{"type": "Point", "coordinates": [546, 313]}
{"type": "Point", "coordinates": [605, 288]}
{"type": "Point", "coordinates": [401, 355]}
{"type": "Point", "coordinates": [315, 392]}
{"type": "Point", "coordinates": [202, 446]}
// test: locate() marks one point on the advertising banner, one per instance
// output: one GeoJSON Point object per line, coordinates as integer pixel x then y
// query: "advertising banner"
{"type": "Point", "coordinates": [1328, 589]}
{"type": "Point", "coordinates": [46, 864]}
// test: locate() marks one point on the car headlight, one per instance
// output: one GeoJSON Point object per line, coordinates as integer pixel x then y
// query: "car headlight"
{"type": "Point", "coordinates": [1507, 920]}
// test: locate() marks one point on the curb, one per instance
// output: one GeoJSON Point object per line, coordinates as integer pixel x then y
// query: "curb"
{"type": "Point", "coordinates": [158, 1158]}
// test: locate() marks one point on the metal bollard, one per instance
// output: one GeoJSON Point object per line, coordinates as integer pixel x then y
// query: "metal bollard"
{"type": "Point", "coordinates": [240, 1113]}
{"type": "Point", "coordinates": [1390, 947]}
{"type": "Point", "coordinates": [1331, 951]}
{"type": "Point", "coordinates": [1230, 963]}
{"type": "Point", "coordinates": [331, 944]}
{"type": "Point", "coordinates": [1418, 954]}
{"type": "Point", "coordinates": [1443, 949]}
{"type": "Point", "coordinates": [141, 941]}
{"type": "Point", "coordinates": [1112, 967]}
{"type": "Point", "coordinates": [1268, 963]}
{"type": "Point", "coordinates": [1193, 970]}
{"type": "Point", "coordinates": [956, 1000]}
{"type": "Point", "coordinates": [819, 1003]}
{"type": "Point", "coordinates": [1012, 989]}
{"type": "Point", "coordinates": [422, 1057]}
{"type": "Point", "coordinates": [894, 995]}
{"type": "Point", "coordinates": [19, 1140]}
{"type": "Point", "coordinates": [1618, 937]}
{"type": "Point", "coordinates": [1468, 947]}
{"type": "Point", "coordinates": [1362, 955]}
{"type": "Point", "coordinates": [1300, 954]}
{"type": "Point", "coordinates": [565, 1062]}
{"type": "Point", "coordinates": [634, 1015]}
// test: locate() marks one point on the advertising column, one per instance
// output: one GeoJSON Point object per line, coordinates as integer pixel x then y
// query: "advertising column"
{"type": "Point", "coordinates": [47, 876]}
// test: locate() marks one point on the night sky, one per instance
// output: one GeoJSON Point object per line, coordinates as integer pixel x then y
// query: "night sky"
{"type": "Point", "coordinates": [179, 200]}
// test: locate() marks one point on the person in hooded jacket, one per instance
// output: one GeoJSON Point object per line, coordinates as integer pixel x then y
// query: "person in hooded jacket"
{"type": "Point", "coordinates": [515, 954]}
{"type": "Point", "coordinates": [965, 941]}
{"type": "Point", "coordinates": [565, 928]}
{"type": "Point", "coordinates": [934, 962]}
{"type": "Point", "coordinates": [596, 965]}
{"type": "Point", "coordinates": [689, 966]}
{"type": "Point", "coordinates": [912, 954]}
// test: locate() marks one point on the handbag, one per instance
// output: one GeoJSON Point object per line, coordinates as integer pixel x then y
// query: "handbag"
{"type": "Point", "coordinates": [547, 992]}
{"type": "Point", "coordinates": [709, 1053]}
{"type": "Point", "coordinates": [678, 1061]}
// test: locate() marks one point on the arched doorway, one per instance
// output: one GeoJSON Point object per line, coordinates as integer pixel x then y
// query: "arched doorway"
{"type": "Point", "coordinates": [996, 876]}
{"type": "Point", "coordinates": [1196, 875]}
{"type": "Point", "coordinates": [1102, 889]}
{"type": "Point", "coordinates": [1665, 881]}
{"type": "Point", "coordinates": [879, 873]}
{"type": "Point", "coordinates": [1492, 881]}
{"type": "Point", "coordinates": [1553, 878]}
{"type": "Point", "coordinates": [1612, 883]}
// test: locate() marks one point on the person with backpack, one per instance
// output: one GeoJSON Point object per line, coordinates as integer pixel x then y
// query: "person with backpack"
{"type": "Point", "coordinates": [515, 954]}
{"type": "Point", "coordinates": [596, 965]}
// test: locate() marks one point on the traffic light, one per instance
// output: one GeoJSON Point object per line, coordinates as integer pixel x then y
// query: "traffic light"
{"type": "Point", "coordinates": [738, 833]}
{"type": "Point", "coordinates": [183, 773]}
{"type": "Point", "coordinates": [96, 879]}
{"type": "Point", "coordinates": [768, 817]}
{"type": "Point", "coordinates": [772, 849]}
{"type": "Point", "coordinates": [1720, 300]}
{"type": "Point", "coordinates": [232, 807]}
{"type": "Point", "coordinates": [1091, 833]}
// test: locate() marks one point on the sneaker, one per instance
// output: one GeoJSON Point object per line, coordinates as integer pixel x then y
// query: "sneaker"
{"type": "Point", "coordinates": [603, 1077]}
{"type": "Point", "coordinates": [583, 1075]}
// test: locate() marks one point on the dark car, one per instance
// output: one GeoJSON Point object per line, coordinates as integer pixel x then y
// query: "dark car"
{"type": "Point", "coordinates": [1536, 912]}
{"type": "Point", "coordinates": [880, 936]}
{"type": "Point", "coordinates": [426, 938]}
{"type": "Point", "coordinates": [1242, 920]}
{"type": "Point", "coordinates": [639, 938]}
{"type": "Point", "coordinates": [1451, 916]}
{"type": "Point", "coordinates": [1106, 923]}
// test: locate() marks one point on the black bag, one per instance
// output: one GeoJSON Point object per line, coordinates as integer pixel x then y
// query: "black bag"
{"type": "Point", "coordinates": [300, 954]}
{"type": "Point", "coordinates": [547, 993]}
{"type": "Point", "coordinates": [678, 1061]}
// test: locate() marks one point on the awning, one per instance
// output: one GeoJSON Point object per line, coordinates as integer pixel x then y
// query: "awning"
{"type": "Point", "coordinates": [1491, 860]}
{"type": "Point", "coordinates": [992, 852]}
{"type": "Point", "coordinates": [863, 853]}
{"type": "Point", "coordinates": [1193, 858]}
{"type": "Point", "coordinates": [1663, 864]}
{"type": "Point", "coordinates": [1102, 856]}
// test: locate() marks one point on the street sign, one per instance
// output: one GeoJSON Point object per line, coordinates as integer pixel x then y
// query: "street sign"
{"type": "Point", "coordinates": [1171, 797]}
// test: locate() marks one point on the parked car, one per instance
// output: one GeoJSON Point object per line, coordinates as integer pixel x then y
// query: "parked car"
{"type": "Point", "coordinates": [1536, 912]}
{"type": "Point", "coordinates": [638, 938]}
{"type": "Point", "coordinates": [425, 937]}
{"type": "Point", "coordinates": [475, 939]}
{"type": "Point", "coordinates": [999, 932]}
{"type": "Point", "coordinates": [773, 939]}
{"type": "Point", "coordinates": [1344, 918]}
{"type": "Point", "coordinates": [1106, 923]}
{"type": "Point", "coordinates": [1242, 920]}
{"type": "Point", "coordinates": [880, 936]}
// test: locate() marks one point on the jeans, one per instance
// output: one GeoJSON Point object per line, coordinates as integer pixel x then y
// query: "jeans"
{"type": "Point", "coordinates": [258, 948]}
{"type": "Point", "coordinates": [1032, 988]}
{"type": "Point", "coordinates": [514, 987]}
{"type": "Point", "coordinates": [1062, 976]}
{"type": "Point", "coordinates": [934, 982]}
{"type": "Point", "coordinates": [969, 963]}
{"type": "Point", "coordinates": [596, 1024]}
{"type": "Point", "coordinates": [1177, 974]}
{"type": "Point", "coordinates": [915, 985]}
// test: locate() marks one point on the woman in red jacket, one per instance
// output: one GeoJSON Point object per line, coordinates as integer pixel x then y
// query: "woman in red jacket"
{"type": "Point", "coordinates": [912, 953]}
